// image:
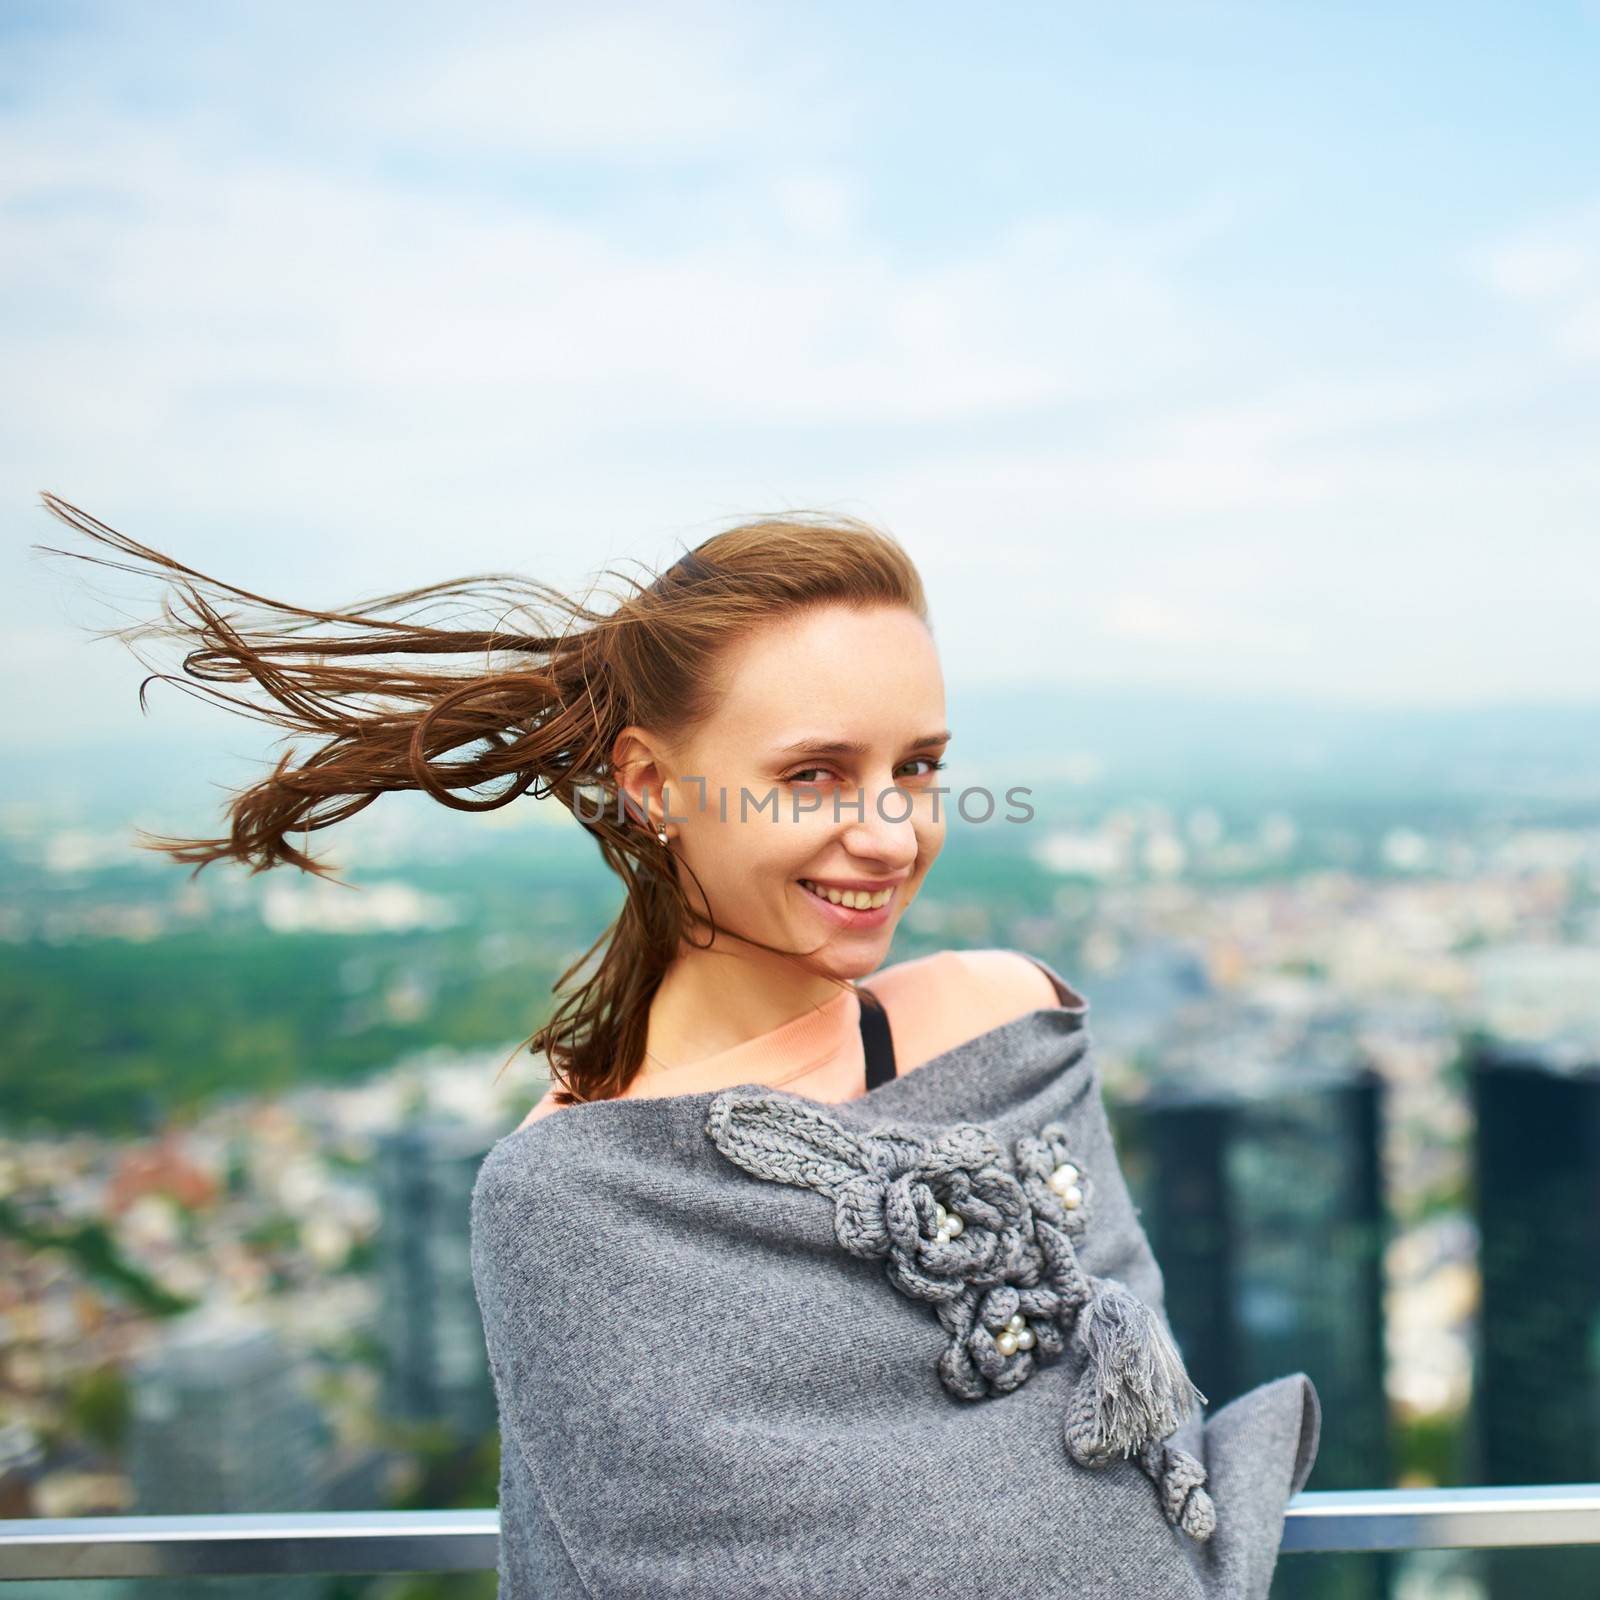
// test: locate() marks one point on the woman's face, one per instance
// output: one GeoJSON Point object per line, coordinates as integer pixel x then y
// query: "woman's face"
{"type": "Point", "coordinates": [818, 767]}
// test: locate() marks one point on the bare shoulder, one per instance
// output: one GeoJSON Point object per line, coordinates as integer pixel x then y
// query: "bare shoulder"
{"type": "Point", "coordinates": [1013, 983]}
{"type": "Point", "coordinates": [996, 984]}
{"type": "Point", "coordinates": [543, 1109]}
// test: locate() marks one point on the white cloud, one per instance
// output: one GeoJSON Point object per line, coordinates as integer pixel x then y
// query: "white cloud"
{"type": "Point", "coordinates": [1553, 267]}
{"type": "Point", "coordinates": [638, 84]}
{"type": "Point", "coordinates": [1537, 269]}
{"type": "Point", "coordinates": [264, 313]}
{"type": "Point", "coordinates": [816, 205]}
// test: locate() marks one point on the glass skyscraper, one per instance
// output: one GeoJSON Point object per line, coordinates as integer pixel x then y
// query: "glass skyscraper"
{"type": "Point", "coordinates": [1254, 1158]}
{"type": "Point", "coordinates": [1537, 1196]}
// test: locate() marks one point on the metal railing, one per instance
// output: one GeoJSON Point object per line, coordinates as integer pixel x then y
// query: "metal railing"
{"type": "Point", "coordinates": [356, 1542]}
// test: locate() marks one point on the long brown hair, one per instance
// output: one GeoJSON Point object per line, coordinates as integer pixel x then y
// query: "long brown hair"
{"type": "Point", "coordinates": [549, 717]}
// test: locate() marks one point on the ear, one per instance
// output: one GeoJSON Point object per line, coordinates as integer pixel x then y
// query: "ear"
{"type": "Point", "coordinates": [777, 1137]}
{"type": "Point", "coordinates": [640, 775]}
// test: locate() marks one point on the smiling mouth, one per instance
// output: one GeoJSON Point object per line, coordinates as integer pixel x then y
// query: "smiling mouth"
{"type": "Point", "coordinates": [850, 899]}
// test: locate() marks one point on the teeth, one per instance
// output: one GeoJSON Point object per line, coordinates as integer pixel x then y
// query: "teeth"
{"type": "Point", "coordinates": [852, 899]}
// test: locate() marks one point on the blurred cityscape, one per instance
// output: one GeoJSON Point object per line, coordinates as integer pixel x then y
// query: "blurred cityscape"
{"type": "Point", "coordinates": [1344, 978]}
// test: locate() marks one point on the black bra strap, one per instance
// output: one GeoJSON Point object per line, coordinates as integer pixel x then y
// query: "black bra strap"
{"type": "Point", "coordinates": [877, 1042]}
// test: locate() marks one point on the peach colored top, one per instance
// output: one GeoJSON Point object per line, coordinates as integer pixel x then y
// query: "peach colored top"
{"type": "Point", "coordinates": [933, 1002]}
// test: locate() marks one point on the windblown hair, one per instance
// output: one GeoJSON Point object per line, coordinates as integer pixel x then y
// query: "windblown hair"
{"type": "Point", "coordinates": [548, 717]}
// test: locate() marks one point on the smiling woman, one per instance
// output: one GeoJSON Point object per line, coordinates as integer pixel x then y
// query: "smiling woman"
{"type": "Point", "coordinates": [804, 848]}
{"type": "Point", "coordinates": [701, 1390]}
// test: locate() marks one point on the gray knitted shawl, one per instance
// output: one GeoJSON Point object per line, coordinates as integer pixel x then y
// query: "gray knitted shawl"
{"type": "Point", "coordinates": [750, 1344]}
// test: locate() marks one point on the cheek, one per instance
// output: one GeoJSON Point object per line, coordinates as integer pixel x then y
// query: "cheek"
{"type": "Point", "coordinates": [761, 852]}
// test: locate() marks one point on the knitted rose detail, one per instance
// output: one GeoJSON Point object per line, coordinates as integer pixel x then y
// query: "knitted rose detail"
{"type": "Point", "coordinates": [946, 1214]}
{"type": "Point", "coordinates": [989, 1238]}
{"type": "Point", "coordinates": [998, 1339]}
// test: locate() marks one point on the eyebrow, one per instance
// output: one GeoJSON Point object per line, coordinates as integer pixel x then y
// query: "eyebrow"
{"type": "Point", "coordinates": [852, 747]}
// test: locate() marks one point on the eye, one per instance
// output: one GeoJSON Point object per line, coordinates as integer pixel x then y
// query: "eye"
{"type": "Point", "coordinates": [802, 776]}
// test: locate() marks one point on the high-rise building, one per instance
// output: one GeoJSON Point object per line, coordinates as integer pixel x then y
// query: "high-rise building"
{"type": "Point", "coordinates": [1536, 1397]}
{"type": "Point", "coordinates": [221, 1423]}
{"type": "Point", "coordinates": [438, 1365]}
{"type": "Point", "coordinates": [1254, 1158]}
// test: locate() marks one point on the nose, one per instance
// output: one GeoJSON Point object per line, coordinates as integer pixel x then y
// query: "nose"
{"type": "Point", "coordinates": [886, 831]}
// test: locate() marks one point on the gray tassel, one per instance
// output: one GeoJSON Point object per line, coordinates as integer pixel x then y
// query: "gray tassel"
{"type": "Point", "coordinates": [1140, 1386]}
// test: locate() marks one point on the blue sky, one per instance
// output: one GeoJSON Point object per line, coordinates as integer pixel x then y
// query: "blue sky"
{"type": "Point", "coordinates": [1219, 346]}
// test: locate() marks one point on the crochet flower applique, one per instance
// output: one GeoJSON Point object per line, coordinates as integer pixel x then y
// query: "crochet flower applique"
{"type": "Point", "coordinates": [988, 1238]}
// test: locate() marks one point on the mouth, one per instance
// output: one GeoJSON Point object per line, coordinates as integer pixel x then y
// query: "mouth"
{"type": "Point", "coordinates": [851, 908]}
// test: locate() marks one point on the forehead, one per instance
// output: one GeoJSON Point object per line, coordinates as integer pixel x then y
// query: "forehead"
{"type": "Point", "coordinates": [828, 667]}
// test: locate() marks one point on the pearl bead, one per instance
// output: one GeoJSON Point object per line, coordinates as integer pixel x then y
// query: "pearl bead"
{"type": "Point", "coordinates": [1025, 1339]}
{"type": "Point", "coordinates": [1071, 1198]}
{"type": "Point", "coordinates": [1018, 1323]}
{"type": "Point", "coordinates": [954, 1224]}
{"type": "Point", "coordinates": [1064, 1177]}
{"type": "Point", "coordinates": [939, 1213]}
{"type": "Point", "coordinates": [1006, 1343]}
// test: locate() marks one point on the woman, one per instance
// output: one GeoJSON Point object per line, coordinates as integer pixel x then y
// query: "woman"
{"type": "Point", "coordinates": [744, 1268]}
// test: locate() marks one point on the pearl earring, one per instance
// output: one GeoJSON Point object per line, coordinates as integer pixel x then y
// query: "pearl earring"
{"type": "Point", "coordinates": [661, 834]}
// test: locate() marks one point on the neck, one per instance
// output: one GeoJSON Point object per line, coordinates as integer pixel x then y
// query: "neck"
{"type": "Point", "coordinates": [711, 1000]}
